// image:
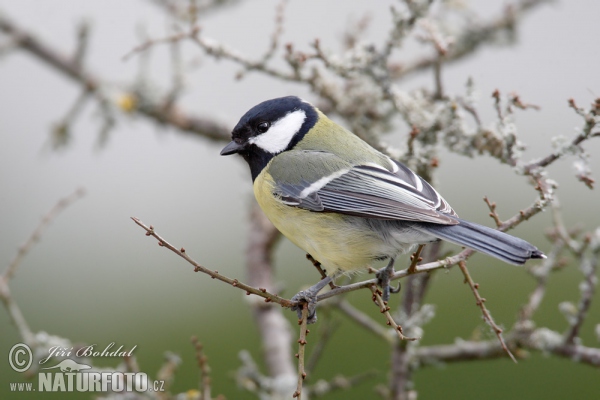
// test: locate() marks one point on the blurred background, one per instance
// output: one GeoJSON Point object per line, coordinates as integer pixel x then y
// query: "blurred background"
{"type": "Point", "coordinates": [95, 278]}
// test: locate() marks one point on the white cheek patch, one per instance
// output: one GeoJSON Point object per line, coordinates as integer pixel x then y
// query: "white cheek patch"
{"type": "Point", "coordinates": [281, 133]}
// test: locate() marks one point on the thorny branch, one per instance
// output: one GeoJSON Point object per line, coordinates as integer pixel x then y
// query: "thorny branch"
{"type": "Point", "coordinates": [480, 301]}
{"type": "Point", "coordinates": [385, 310]}
{"type": "Point", "coordinates": [181, 252]}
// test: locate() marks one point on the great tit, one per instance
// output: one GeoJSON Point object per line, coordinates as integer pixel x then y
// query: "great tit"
{"type": "Point", "coordinates": [344, 202]}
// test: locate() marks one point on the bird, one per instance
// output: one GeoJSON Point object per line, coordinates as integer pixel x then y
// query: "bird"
{"type": "Point", "coordinates": [344, 202]}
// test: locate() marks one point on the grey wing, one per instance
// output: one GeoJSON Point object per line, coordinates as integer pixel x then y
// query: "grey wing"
{"type": "Point", "coordinates": [372, 191]}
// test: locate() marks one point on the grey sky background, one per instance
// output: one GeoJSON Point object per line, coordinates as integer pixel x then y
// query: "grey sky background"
{"type": "Point", "coordinates": [93, 253]}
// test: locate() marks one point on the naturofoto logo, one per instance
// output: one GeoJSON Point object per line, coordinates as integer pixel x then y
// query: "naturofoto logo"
{"type": "Point", "coordinates": [68, 375]}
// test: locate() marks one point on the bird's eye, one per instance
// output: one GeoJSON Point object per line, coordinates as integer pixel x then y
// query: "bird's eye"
{"type": "Point", "coordinates": [262, 127]}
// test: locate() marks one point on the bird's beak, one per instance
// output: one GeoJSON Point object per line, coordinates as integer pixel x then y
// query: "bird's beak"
{"type": "Point", "coordinates": [232, 148]}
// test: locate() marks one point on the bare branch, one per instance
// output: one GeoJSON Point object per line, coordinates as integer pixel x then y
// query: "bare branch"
{"type": "Point", "coordinates": [202, 360]}
{"type": "Point", "coordinates": [589, 267]}
{"type": "Point", "coordinates": [385, 310]}
{"type": "Point", "coordinates": [174, 117]}
{"type": "Point", "coordinates": [301, 348]}
{"type": "Point", "coordinates": [275, 331]}
{"type": "Point", "coordinates": [213, 274]}
{"type": "Point", "coordinates": [37, 233]}
{"type": "Point", "coordinates": [11, 306]}
{"type": "Point", "coordinates": [486, 314]}
{"type": "Point", "coordinates": [591, 123]}
{"type": "Point", "coordinates": [472, 37]}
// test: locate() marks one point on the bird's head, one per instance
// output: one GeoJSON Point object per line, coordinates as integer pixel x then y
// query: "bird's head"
{"type": "Point", "coordinates": [270, 128]}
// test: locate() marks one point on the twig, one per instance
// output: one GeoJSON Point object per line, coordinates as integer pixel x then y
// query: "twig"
{"type": "Point", "coordinates": [587, 287]}
{"type": "Point", "coordinates": [16, 316]}
{"type": "Point", "coordinates": [386, 311]}
{"type": "Point", "coordinates": [177, 37]}
{"type": "Point", "coordinates": [202, 360]}
{"type": "Point", "coordinates": [37, 233]}
{"type": "Point", "coordinates": [478, 350]}
{"type": "Point", "coordinates": [415, 259]}
{"type": "Point", "coordinates": [269, 297]}
{"type": "Point", "coordinates": [278, 30]}
{"type": "Point", "coordinates": [61, 130]}
{"type": "Point", "coordinates": [472, 37]}
{"type": "Point", "coordinates": [152, 109]}
{"type": "Point", "coordinates": [83, 35]}
{"type": "Point", "coordinates": [559, 229]}
{"type": "Point", "coordinates": [11, 306]}
{"type": "Point", "coordinates": [486, 314]}
{"type": "Point", "coordinates": [461, 351]}
{"type": "Point", "coordinates": [301, 348]}
{"type": "Point", "coordinates": [493, 213]}
{"type": "Point", "coordinates": [541, 272]}
{"type": "Point", "coordinates": [167, 370]}
{"type": "Point", "coordinates": [432, 266]}
{"type": "Point", "coordinates": [586, 133]}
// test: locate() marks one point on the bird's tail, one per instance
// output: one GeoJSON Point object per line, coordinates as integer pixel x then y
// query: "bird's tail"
{"type": "Point", "coordinates": [490, 241]}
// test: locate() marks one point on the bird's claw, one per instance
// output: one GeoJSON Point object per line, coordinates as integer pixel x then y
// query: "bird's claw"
{"type": "Point", "coordinates": [309, 297]}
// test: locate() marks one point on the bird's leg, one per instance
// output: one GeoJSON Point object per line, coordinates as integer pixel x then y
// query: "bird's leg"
{"type": "Point", "coordinates": [321, 270]}
{"type": "Point", "coordinates": [384, 276]}
{"type": "Point", "coordinates": [310, 297]}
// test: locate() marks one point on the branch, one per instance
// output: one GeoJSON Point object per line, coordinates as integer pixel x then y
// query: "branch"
{"type": "Point", "coordinates": [486, 314]}
{"type": "Point", "coordinates": [587, 286]}
{"type": "Point", "coordinates": [472, 37]}
{"type": "Point", "coordinates": [214, 274]}
{"type": "Point", "coordinates": [275, 330]}
{"type": "Point", "coordinates": [384, 309]}
{"type": "Point", "coordinates": [148, 107]}
{"type": "Point", "coordinates": [490, 349]}
{"type": "Point", "coordinates": [11, 306]}
{"type": "Point", "coordinates": [37, 233]}
{"type": "Point", "coordinates": [588, 132]}
{"type": "Point", "coordinates": [202, 361]}
{"type": "Point", "coordinates": [301, 348]}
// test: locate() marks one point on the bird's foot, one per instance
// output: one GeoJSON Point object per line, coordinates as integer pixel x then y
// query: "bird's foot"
{"type": "Point", "coordinates": [309, 296]}
{"type": "Point", "coordinates": [384, 277]}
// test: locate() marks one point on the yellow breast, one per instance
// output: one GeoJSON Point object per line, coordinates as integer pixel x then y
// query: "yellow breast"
{"type": "Point", "coordinates": [335, 240]}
